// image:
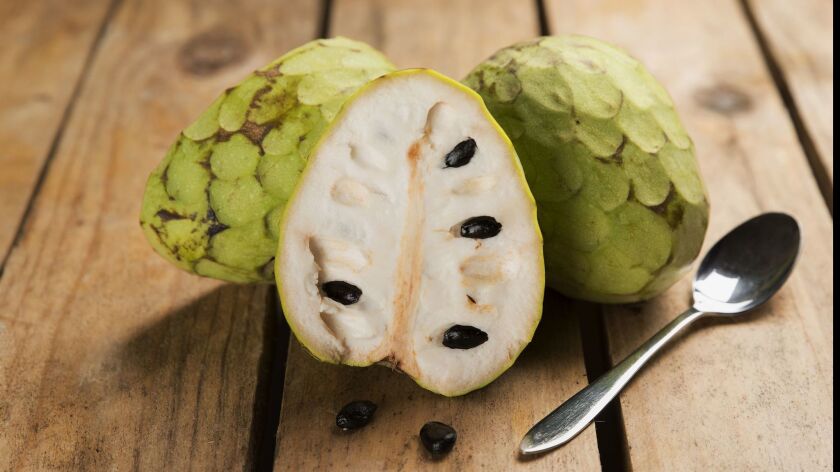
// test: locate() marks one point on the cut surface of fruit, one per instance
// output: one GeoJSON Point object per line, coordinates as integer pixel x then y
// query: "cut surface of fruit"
{"type": "Point", "coordinates": [411, 239]}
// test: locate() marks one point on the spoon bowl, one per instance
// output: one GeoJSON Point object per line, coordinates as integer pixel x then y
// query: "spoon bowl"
{"type": "Point", "coordinates": [745, 268]}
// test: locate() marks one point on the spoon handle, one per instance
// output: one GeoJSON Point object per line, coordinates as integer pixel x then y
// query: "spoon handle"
{"type": "Point", "coordinates": [576, 413]}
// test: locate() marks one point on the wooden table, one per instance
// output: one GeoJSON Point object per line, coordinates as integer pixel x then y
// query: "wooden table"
{"type": "Point", "coordinates": [110, 359]}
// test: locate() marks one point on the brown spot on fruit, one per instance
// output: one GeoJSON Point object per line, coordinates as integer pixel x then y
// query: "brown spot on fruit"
{"type": "Point", "coordinates": [258, 95]}
{"type": "Point", "coordinates": [166, 215]}
{"type": "Point", "coordinates": [662, 208]}
{"type": "Point", "coordinates": [616, 157]}
{"type": "Point", "coordinates": [479, 308]}
{"type": "Point", "coordinates": [211, 51]}
{"type": "Point", "coordinates": [164, 177]}
{"type": "Point", "coordinates": [269, 73]}
{"type": "Point", "coordinates": [223, 135]}
{"type": "Point", "coordinates": [254, 132]}
{"type": "Point", "coordinates": [724, 99]}
{"type": "Point", "coordinates": [673, 213]}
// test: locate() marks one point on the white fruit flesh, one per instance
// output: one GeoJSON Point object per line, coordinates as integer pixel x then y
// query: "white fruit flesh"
{"type": "Point", "coordinates": [378, 208]}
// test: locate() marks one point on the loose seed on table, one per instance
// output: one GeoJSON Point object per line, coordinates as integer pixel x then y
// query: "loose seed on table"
{"type": "Point", "coordinates": [438, 438]}
{"type": "Point", "coordinates": [355, 414]}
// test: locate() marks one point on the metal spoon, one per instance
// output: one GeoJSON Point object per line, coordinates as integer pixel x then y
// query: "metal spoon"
{"type": "Point", "coordinates": [742, 271]}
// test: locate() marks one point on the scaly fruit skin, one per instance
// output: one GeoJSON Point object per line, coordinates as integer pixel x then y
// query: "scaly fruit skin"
{"type": "Point", "coordinates": [213, 205]}
{"type": "Point", "coordinates": [620, 199]}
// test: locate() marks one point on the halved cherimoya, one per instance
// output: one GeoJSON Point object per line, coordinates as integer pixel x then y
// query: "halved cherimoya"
{"type": "Point", "coordinates": [411, 239]}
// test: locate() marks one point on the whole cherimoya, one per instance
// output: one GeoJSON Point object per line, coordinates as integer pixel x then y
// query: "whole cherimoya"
{"type": "Point", "coordinates": [620, 199]}
{"type": "Point", "coordinates": [213, 205]}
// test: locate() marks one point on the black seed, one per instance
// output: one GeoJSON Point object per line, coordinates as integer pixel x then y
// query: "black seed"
{"type": "Point", "coordinates": [464, 337]}
{"type": "Point", "coordinates": [437, 437]}
{"type": "Point", "coordinates": [480, 227]}
{"type": "Point", "coordinates": [342, 292]}
{"type": "Point", "coordinates": [355, 414]}
{"type": "Point", "coordinates": [461, 154]}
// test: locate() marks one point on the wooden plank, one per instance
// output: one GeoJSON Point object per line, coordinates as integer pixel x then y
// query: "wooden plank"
{"type": "Point", "coordinates": [749, 395]}
{"type": "Point", "coordinates": [800, 36]}
{"type": "Point", "coordinates": [449, 36]}
{"type": "Point", "coordinates": [111, 359]}
{"type": "Point", "coordinates": [492, 421]}
{"type": "Point", "coordinates": [45, 45]}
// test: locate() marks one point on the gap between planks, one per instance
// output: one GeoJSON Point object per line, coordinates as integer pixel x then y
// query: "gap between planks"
{"type": "Point", "coordinates": [776, 71]}
{"type": "Point", "coordinates": [276, 344]}
{"type": "Point", "coordinates": [271, 367]}
{"type": "Point", "coordinates": [609, 425]}
{"type": "Point", "coordinates": [266, 418]}
{"type": "Point", "coordinates": [113, 7]}
{"type": "Point", "coordinates": [620, 23]}
{"type": "Point", "coordinates": [609, 430]}
{"type": "Point", "coordinates": [381, 24]}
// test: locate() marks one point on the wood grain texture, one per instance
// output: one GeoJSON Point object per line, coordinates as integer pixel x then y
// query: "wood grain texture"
{"type": "Point", "coordinates": [490, 422]}
{"type": "Point", "coordinates": [451, 36]}
{"type": "Point", "coordinates": [111, 359]}
{"type": "Point", "coordinates": [756, 394]}
{"type": "Point", "coordinates": [448, 36]}
{"type": "Point", "coordinates": [45, 44]}
{"type": "Point", "coordinates": [800, 36]}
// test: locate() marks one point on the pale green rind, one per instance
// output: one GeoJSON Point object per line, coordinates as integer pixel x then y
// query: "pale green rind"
{"type": "Point", "coordinates": [212, 206]}
{"type": "Point", "coordinates": [621, 201]}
